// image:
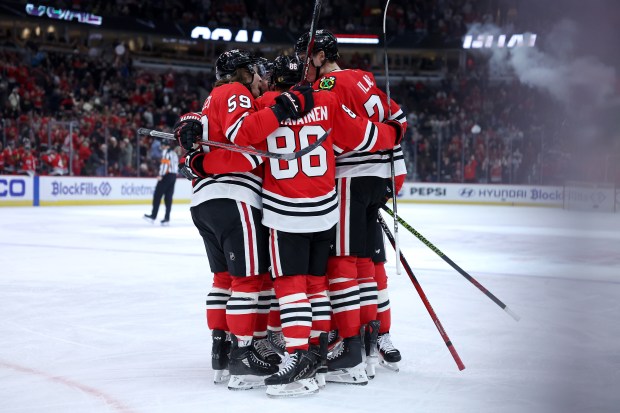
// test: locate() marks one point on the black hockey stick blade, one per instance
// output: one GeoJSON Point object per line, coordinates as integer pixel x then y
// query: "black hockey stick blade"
{"type": "Point", "coordinates": [315, 18]}
{"type": "Point", "coordinates": [289, 156]}
{"type": "Point", "coordinates": [461, 271]}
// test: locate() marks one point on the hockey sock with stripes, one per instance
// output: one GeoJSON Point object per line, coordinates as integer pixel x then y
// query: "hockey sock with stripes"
{"type": "Point", "coordinates": [344, 295]}
{"type": "Point", "coordinates": [264, 306]}
{"type": "Point", "coordinates": [217, 299]}
{"type": "Point", "coordinates": [384, 314]}
{"type": "Point", "coordinates": [242, 306]}
{"type": "Point", "coordinates": [295, 311]}
{"type": "Point", "coordinates": [321, 310]}
{"type": "Point", "coordinates": [368, 290]}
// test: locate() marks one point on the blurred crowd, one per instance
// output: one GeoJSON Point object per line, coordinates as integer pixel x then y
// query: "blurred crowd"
{"type": "Point", "coordinates": [77, 113]}
{"type": "Point", "coordinates": [83, 113]}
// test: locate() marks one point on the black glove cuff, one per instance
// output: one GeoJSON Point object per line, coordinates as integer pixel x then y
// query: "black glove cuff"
{"type": "Point", "coordinates": [280, 113]}
{"type": "Point", "coordinates": [195, 163]}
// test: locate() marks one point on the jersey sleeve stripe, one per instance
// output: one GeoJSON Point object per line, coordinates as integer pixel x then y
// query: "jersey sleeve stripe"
{"type": "Point", "coordinates": [399, 117]}
{"type": "Point", "coordinates": [253, 159]}
{"type": "Point", "coordinates": [231, 133]}
{"type": "Point", "coordinates": [370, 137]}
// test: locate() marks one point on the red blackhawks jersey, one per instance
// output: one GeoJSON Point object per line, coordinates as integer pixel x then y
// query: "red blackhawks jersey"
{"type": "Point", "coordinates": [358, 90]}
{"type": "Point", "coordinates": [225, 115]}
{"type": "Point", "coordinates": [300, 195]}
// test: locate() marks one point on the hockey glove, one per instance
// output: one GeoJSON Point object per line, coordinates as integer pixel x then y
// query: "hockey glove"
{"type": "Point", "coordinates": [400, 130]}
{"type": "Point", "coordinates": [188, 130]}
{"type": "Point", "coordinates": [293, 104]}
{"type": "Point", "coordinates": [191, 165]}
{"type": "Point", "coordinates": [400, 180]}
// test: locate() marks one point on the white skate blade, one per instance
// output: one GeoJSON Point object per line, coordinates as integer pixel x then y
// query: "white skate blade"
{"type": "Point", "coordinates": [320, 380]}
{"type": "Point", "coordinates": [390, 366]}
{"type": "Point", "coordinates": [371, 366]}
{"type": "Point", "coordinates": [221, 376]}
{"type": "Point", "coordinates": [303, 387]}
{"type": "Point", "coordinates": [354, 375]}
{"type": "Point", "coordinates": [245, 382]}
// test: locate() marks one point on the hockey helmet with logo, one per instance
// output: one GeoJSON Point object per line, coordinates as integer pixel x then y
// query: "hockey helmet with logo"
{"type": "Point", "coordinates": [324, 40]}
{"type": "Point", "coordinates": [228, 62]}
{"type": "Point", "coordinates": [287, 70]}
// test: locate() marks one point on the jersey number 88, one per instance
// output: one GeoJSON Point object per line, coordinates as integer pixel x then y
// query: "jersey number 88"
{"type": "Point", "coordinates": [283, 140]}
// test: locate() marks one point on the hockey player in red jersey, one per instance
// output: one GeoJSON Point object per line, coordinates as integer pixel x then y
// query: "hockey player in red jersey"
{"type": "Point", "coordinates": [226, 209]}
{"type": "Point", "coordinates": [362, 179]}
{"type": "Point", "coordinates": [300, 208]}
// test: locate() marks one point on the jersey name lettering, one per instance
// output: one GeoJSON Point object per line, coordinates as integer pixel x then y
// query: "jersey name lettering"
{"type": "Point", "coordinates": [369, 84]}
{"type": "Point", "coordinates": [317, 114]}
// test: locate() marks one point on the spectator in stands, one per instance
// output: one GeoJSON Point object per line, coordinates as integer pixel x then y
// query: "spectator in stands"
{"type": "Point", "coordinates": [10, 157]}
{"type": "Point", "coordinates": [28, 161]}
{"type": "Point", "coordinates": [1, 158]}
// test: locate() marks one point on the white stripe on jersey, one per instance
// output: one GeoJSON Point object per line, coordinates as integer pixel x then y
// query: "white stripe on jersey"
{"type": "Point", "coordinates": [370, 137]}
{"type": "Point", "coordinates": [243, 187]}
{"type": "Point", "coordinates": [353, 164]}
{"type": "Point", "coordinates": [399, 116]}
{"type": "Point", "coordinates": [300, 215]}
{"type": "Point", "coordinates": [231, 132]}
{"type": "Point", "coordinates": [253, 159]}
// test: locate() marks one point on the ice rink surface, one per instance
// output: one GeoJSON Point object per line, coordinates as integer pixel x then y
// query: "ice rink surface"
{"type": "Point", "coordinates": [104, 312]}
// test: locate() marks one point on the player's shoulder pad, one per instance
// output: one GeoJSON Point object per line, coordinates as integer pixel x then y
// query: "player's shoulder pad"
{"type": "Point", "coordinates": [327, 83]}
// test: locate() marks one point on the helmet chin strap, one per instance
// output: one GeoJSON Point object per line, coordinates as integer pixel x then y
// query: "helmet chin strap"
{"type": "Point", "coordinates": [317, 68]}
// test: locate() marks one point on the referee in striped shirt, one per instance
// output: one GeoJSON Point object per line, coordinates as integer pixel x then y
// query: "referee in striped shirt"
{"type": "Point", "coordinates": [165, 182]}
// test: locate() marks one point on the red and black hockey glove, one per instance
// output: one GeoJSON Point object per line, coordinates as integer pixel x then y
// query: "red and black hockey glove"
{"type": "Point", "coordinates": [400, 130]}
{"type": "Point", "coordinates": [188, 130]}
{"type": "Point", "coordinates": [191, 165]}
{"type": "Point", "coordinates": [294, 103]}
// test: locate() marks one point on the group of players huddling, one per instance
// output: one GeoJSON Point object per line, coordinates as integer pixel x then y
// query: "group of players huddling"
{"type": "Point", "coordinates": [299, 293]}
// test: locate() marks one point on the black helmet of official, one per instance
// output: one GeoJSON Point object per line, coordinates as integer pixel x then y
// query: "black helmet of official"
{"type": "Point", "coordinates": [323, 40]}
{"type": "Point", "coordinates": [228, 62]}
{"type": "Point", "coordinates": [287, 70]}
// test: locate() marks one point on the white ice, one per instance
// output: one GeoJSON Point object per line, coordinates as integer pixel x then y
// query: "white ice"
{"type": "Point", "coordinates": [103, 312]}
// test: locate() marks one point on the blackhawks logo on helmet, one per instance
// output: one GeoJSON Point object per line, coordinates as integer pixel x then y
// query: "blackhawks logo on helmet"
{"type": "Point", "coordinates": [327, 83]}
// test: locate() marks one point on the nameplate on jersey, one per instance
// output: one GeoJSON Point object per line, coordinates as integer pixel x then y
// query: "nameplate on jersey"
{"type": "Point", "coordinates": [327, 83]}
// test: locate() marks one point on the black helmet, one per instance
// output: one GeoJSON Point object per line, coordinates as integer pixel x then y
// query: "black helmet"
{"type": "Point", "coordinates": [323, 40]}
{"type": "Point", "coordinates": [264, 66]}
{"type": "Point", "coordinates": [230, 61]}
{"type": "Point", "coordinates": [287, 70]}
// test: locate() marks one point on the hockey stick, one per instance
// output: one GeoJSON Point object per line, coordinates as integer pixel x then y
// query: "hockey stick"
{"type": "Point", "coordinates": [427, 304]}
{"type": "Point", "coordinates": [244, 149]}
{"type": "Point", "coordinates": [453, 265]}
{"type": "Point", "coordinates": [315, 18]}
{"type": "Point", "coordinates": [392, 167]}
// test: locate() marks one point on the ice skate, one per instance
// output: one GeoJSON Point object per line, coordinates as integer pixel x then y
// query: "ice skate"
{"type": "Point", "coordinates": [389, 356]}
{"type": "Point", "coordinates": [345, 364]}
{"type": "Point", "coordinates": [149, 218]}
{"type": "Point", "coordinates": [371, 336]}
{"type": "Point", "coordinates": [263, 349]}
{"type": "Point", "coordinates": [247, 371]}
{"type": "Point", "coordinates": [165, 222]}
{"type": "Point", "coordinates": [220, 352]}
{"type": "Point", "coordinates": [276, 339]}
{"type": "Point", "coordinates": [321, 350]}
{"type": "Point", "coordinates": [296, 376]}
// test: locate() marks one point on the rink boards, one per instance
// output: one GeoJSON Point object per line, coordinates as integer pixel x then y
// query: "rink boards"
{"type": "Point", "coordinates": [17, 190]}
